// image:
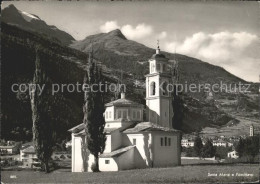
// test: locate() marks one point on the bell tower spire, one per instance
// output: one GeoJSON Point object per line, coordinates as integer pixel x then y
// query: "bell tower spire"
{"type": "Point", "coordinates": [158, 47]}
{"type": "Point", "coordinates": [158, 98]}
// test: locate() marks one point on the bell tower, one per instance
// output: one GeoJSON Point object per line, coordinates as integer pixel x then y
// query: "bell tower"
{"type": "Point", "coordinates": [158, 99]}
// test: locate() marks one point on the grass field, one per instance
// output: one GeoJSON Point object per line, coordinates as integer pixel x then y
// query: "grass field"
{"type": "Point", "coordinates": [180, 174]}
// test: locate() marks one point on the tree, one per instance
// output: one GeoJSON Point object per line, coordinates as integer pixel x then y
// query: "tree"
{"type": "Point", "coordinates": [178, 110]}
{"type": "Point", "coordinates": [93, 112]}
{"type": "Point", "coordinates": [208, 150]}
{"type": "Point", "coordinates": [240, 147]}
{"type": "Point", "coordinates": [198, 145]}
{"type": "Point", "coordinates": [248, 146]}
{"type": "Point", "coordinates": [42, 125]}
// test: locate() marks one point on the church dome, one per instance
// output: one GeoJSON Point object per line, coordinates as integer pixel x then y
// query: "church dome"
{"type": "Point", "coordinates": [155, 56]}
{"type": "Point", "coordinates": [158, 53]}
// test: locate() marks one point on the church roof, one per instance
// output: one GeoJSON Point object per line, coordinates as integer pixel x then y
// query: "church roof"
{"type": "Point", "coordinates": [155, 56]}
{"type": "Point", "coordinates": [147, 127]}
{"type": "Point", "coordinates": [123, 102]}
{"type": "Point", "coordinates": [116, 152]}
{"type": "Point", "coordinates": [106, 130]}
{"type": "Point", "coordinates": [77, 128]}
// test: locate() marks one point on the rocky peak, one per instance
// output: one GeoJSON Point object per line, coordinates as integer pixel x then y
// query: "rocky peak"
{"type": "Point", "coordinates": [117, 33]}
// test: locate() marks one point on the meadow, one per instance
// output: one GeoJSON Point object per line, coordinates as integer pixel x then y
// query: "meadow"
{"type": "Point", "coordinates": [201, 173]}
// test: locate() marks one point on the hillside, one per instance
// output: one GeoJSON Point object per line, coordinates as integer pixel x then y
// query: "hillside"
{"type": "Point", "coordinates": [114, 53]}
{"type": "Point", "coordinates": [30, 22]}
{"type": "Point", "coordinates": [114, 50]}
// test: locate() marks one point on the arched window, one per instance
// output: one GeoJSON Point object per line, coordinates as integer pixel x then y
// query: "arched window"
{"type": "Point", "coordinates": [158, 67]}
{"type": "Point", "coordinates": [163, 68]}
{"type": "Point", "coordinates": [164, 89]}
{"type": "Point", "coordinates": [152, 88]}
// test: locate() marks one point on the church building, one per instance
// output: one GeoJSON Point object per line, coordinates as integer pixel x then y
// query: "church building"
{"type": "Point", "coordinates": [133, 142]}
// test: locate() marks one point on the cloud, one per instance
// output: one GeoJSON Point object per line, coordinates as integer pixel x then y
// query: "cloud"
{"type": "Point", "coordinates": [140, 31]}
{"type": "Point", "coordinates": [226, 49]}
{"type": "Point", "coordinates": [162, 35]}
{"type": "Point", "coordinates": [109, 26]}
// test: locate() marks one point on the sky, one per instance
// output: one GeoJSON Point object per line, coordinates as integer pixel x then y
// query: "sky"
{"type": "Point", "coordinates": [221, 33]}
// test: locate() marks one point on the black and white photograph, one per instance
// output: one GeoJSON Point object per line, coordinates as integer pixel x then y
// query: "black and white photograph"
{"type": "Point", "coordinates": [96, 91]}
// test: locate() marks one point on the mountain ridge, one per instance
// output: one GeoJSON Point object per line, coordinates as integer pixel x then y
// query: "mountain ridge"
{"type": "Point", "coordinates": [67, 65]}
{"type": "Point", "coordinates": [31, 22]}
{"type": "Point", "coordinates": [125, 50]}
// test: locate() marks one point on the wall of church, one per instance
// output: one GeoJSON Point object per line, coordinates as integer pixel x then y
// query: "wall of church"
{"type": "Point", "coordinates": [77, 159]}
{"type": "Point", "coordinates": [165, 155]}
{"type": "Point", "coordinates": [153, 110]}
{"type": "Point", "coordinates": [126, 160]}
{"type": "Point", "coordinates": [107, 164]}
{"type": "Point", "coordinates": [108, 144]}
{"type": "Point", "coordinates": [110, 113]}
{"type": "Point", "coordinates": [77, 164]}
{"type": "Point", "coordinates": [165, 112]}
{"type": "Point", "coordinates": [116, 140]}
{"type": "Point", "coordinates": [141, 142]}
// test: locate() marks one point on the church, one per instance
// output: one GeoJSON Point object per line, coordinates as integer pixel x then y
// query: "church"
{"type": "Point", "coordinates": [133, 142]}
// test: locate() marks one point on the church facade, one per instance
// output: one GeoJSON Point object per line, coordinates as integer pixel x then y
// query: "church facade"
{"type": "Point", "coordinates": [132, 142]}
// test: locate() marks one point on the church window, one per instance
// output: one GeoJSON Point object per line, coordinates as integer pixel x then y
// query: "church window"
{"type": "Point", "coordinates": [119, 114]}
{"type": "Point", "coordinates": [124, 114]}
{"type": "Point", "coordinates": [158, 67]}
{"type": "Point", "coordinates": [106, 115]}
{"type": "Point", "coordinates": [152, 88]}
{"type": "Point", "coordinates": [165, 141]}
{"type": "Point", "coordinates": [164, 89]}
{"type": "Point", "coordinates": [134, 141]}
{"type": "Point", "coordinates": [163, 68]}
{"type": "Point", "coordinates": [169, 141]}
{"type": "Point", "coordinates": [138, 115]}
{"type": "Point", "coordinates": [110, 114]}
{"type": "Point", "coordinates": [107, 161]}
{"type": "Point", "coordinates": [161, 141]}
{"type": "Point", "coordinates": [152, 68]}
{"type": "Point", "coordinates": [134, 114]}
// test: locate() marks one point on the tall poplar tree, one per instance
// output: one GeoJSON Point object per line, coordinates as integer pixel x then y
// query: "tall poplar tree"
{"type": "Point", "coordinates": [42, 125]}
{"type": "Point", "coordinates": [93, 112]}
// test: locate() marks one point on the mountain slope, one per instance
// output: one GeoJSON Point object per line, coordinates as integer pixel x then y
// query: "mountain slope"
{"type": "Point", "coordinates": [66, 66]}
{"type": "Point", "coordinates": [117, 52]}
{"type": "Point", "coordinates": [30, 22]}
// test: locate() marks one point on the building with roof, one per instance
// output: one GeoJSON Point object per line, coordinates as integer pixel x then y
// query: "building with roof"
{"type": "Point", "coordinates": [232, 154]}
{"type": "Point", "coordinates": [187, 143]}
{"type": "Point", "coordinates": [28, 155]}
{"type": "Point", "coordinates": [9, 149]}
{"type": "Point", "coordinates": [133, 142]}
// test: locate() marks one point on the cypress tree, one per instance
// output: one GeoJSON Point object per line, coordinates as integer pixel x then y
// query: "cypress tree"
{"type": "Point", "coordinates": [208, 150]}
{"type": "Point", "coordinates": [198, 146]}
{"type": "Point", "coordinates": [93, 113]}
{"type": "Point", "coordinates": [42, 125]}
{"type": "Point", "coordinates": [178, 110]}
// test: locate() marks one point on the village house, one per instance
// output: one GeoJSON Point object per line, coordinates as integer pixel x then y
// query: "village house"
{"type": "Point", "coordinates": [232, 154]}
{"type": "Point", "coordinates": [131, 141]}
{"type": "Point", "coordinates": [220, 143]}
{"type": "Point", "coordinates": [187, 143]}
{"type": "Point", "coordinates": [9, 149]}
{"type": "Point", "coordinates": [28, 156]}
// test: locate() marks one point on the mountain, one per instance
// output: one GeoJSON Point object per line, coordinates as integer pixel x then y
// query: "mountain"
{"type": "Point", "coordinates": [31, 22]}
{"type": "Point", "coordinates": [118, 57]}
{"type": "Point", "coordinates": [132, 57]}
{"type": "Point", "coordinates": [129, 59]}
